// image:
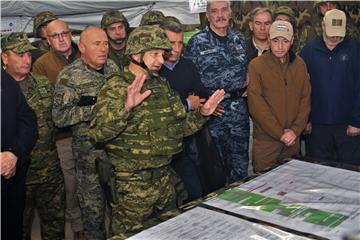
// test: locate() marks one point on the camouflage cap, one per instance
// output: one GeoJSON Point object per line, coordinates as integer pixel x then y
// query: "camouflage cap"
{"type": "Point", "coordinates": [146, 38]}
{"type": "Point", "coordinates": [17, 42]}
{"type": "Point", "coordinates": [113, 16]}
{"type": "Point", "coordinates": [284, 10]}
{"type": "Point", "coordinates": [318, 2]}
{"type": "Point", "coordinates": [41, 19]}
{"type": "Point", "coordinates": [152, 17]}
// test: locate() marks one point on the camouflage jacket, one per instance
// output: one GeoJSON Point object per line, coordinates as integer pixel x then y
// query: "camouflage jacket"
{"type": "Point", "coordinates": [75, 81]}
{"type": "Point", "coordinates": [151, 133]}
{"type": "Point", "coordinates": [44, 159]}
{"type": "Point", "coordinates": [119, 58]}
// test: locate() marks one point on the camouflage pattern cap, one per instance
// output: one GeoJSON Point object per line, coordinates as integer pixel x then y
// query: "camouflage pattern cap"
{"type": "Point", "coordinates": [41, 19]}
{"type": "Point", "coordinates": [318, 2]}
{"type": "Point", "coordinates": [284, 10]}
{"type": "Point", "coordinates": [146, 38]}
{"type": "Point", "coordinates": [113, 16]}
{"type": "Point", "coordinates": [152, 17]}
{"type": "Point", "coordinates": [17, 42]}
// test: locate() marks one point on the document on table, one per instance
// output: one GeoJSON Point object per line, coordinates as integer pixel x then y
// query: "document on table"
{"type": "Point", "coordinates": [307, 197]}
{"type": "Point", "coordinates": [204, 224]}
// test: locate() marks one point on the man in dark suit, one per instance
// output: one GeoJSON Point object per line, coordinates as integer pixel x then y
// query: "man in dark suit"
{"type": "Point", "coordinates": [18, 136]}
{"type": "Point", "coordinates": [184, 78]}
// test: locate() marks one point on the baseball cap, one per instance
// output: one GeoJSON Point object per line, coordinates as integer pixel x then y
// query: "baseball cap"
{"type": "Point", "coordinates": [335, 23]}
{"type": "Point", "coordinates": [281, 29]}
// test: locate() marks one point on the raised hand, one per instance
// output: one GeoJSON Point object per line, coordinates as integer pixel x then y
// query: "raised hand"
{"type": "Point", "coordinates": [211, 104]}
{"type": "Point", "coordinates": [219, 110]}
{"type": "Point", "coordinates": [134, 96]}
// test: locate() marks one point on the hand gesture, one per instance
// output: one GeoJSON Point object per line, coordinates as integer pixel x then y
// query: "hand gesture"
{"type": "Point", "coordinates": [219, 110]}
{"type": "Point", "coordinates": [134, 96]}
{"type": "Point", "coordinates": [211, 104]}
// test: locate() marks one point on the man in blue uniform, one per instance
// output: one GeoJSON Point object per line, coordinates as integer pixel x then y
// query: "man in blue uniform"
{"type": "Point", "coordinates": [219, 55]}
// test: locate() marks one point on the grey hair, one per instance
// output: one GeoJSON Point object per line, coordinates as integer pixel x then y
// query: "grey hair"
{"type": "Point", "coordinates": [258, 10]}
{"type": "Point", "coordinates": [209, 2]}
{"type": "Point", "coordinates": [171, 26]}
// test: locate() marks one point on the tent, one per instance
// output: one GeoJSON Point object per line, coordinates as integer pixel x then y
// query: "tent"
{"type": "Point", "coordinates": [17, 15]}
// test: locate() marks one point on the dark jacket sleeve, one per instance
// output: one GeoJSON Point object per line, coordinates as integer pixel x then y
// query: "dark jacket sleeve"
{"type": "Point", "coordinates": [19, 124]}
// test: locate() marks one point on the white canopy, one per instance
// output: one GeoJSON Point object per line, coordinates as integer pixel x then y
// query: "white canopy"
{"type": "Point", "coordinates": [17, 15]}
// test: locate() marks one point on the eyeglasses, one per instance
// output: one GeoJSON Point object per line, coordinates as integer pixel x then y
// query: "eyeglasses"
{"type": "Point", "coordinates": [57, 35]}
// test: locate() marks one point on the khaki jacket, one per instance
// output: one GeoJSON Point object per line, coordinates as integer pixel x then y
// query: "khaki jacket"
{"type": "Point", "coordinates": [51, 63]}
{"type": "Point", "coordinates": [278, 95]}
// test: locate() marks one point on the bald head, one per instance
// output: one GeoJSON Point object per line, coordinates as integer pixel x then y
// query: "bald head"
{"type": "Point", "coordinates": [55, 25]}
{"type": "Point", "coordinates": [93, 45]}
{"type": "Point", "coordinates": [59, 37]}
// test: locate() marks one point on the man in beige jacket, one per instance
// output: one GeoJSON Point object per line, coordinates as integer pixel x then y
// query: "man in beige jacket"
{"type": "Point", "coordinates": [278, 99]}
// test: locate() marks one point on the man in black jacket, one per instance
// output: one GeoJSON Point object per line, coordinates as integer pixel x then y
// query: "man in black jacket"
{"type": "Point", "coordinates": [184, 78]}
{"type": "Point", "coordinates": [18, 136]}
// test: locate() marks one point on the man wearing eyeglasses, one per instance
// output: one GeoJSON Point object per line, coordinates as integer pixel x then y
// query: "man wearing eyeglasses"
{"type": "Point", "coordinates": [62, 51]}
{"type": "Point", "coordinates": [41, 20]}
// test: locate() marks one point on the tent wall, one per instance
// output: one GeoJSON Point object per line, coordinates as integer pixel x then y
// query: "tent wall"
{"type": "Point", "coordinates": [17, 15]}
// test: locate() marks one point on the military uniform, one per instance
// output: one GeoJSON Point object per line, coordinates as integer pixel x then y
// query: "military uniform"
{"type": "Point", "coordinates": [140, 145]}
{"type": "Point", "coordinates": [75, 83]}
{"type": "Point", "coordinates": [44, 181]}
{"type": "Point", "coordinates": [152, 17]}
{"type": "Point", "coordinates": [118, 56]}
{"type": "Point", "coordinates": [221, 63]}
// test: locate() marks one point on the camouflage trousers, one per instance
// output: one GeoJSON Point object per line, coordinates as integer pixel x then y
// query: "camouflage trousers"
{"type": "Point", "coordinates": [145, 199]}
{"type": "Point", "coordinates": [231, 137]}
{"type": "Point", "coordinates": [49, 200]}
{"type": "Point", "coordinates": [92, 203]}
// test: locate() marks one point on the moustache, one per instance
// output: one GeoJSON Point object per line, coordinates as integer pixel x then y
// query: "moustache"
{"type": "Point", "coordinates": [220, 19]}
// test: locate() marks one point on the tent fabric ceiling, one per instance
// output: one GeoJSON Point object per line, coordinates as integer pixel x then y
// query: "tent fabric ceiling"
{"type": "Point", "coordinates": [17, 15]}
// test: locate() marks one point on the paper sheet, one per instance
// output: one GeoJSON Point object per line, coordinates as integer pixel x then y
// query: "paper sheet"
{"type": "Point", "coordinates": [306, 197]}
{"type": "Point", "coordinates": [203, 224]}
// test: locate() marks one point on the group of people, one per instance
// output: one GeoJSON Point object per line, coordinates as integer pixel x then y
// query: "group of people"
{"type": "Point", "coordinates": [145, 105]}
